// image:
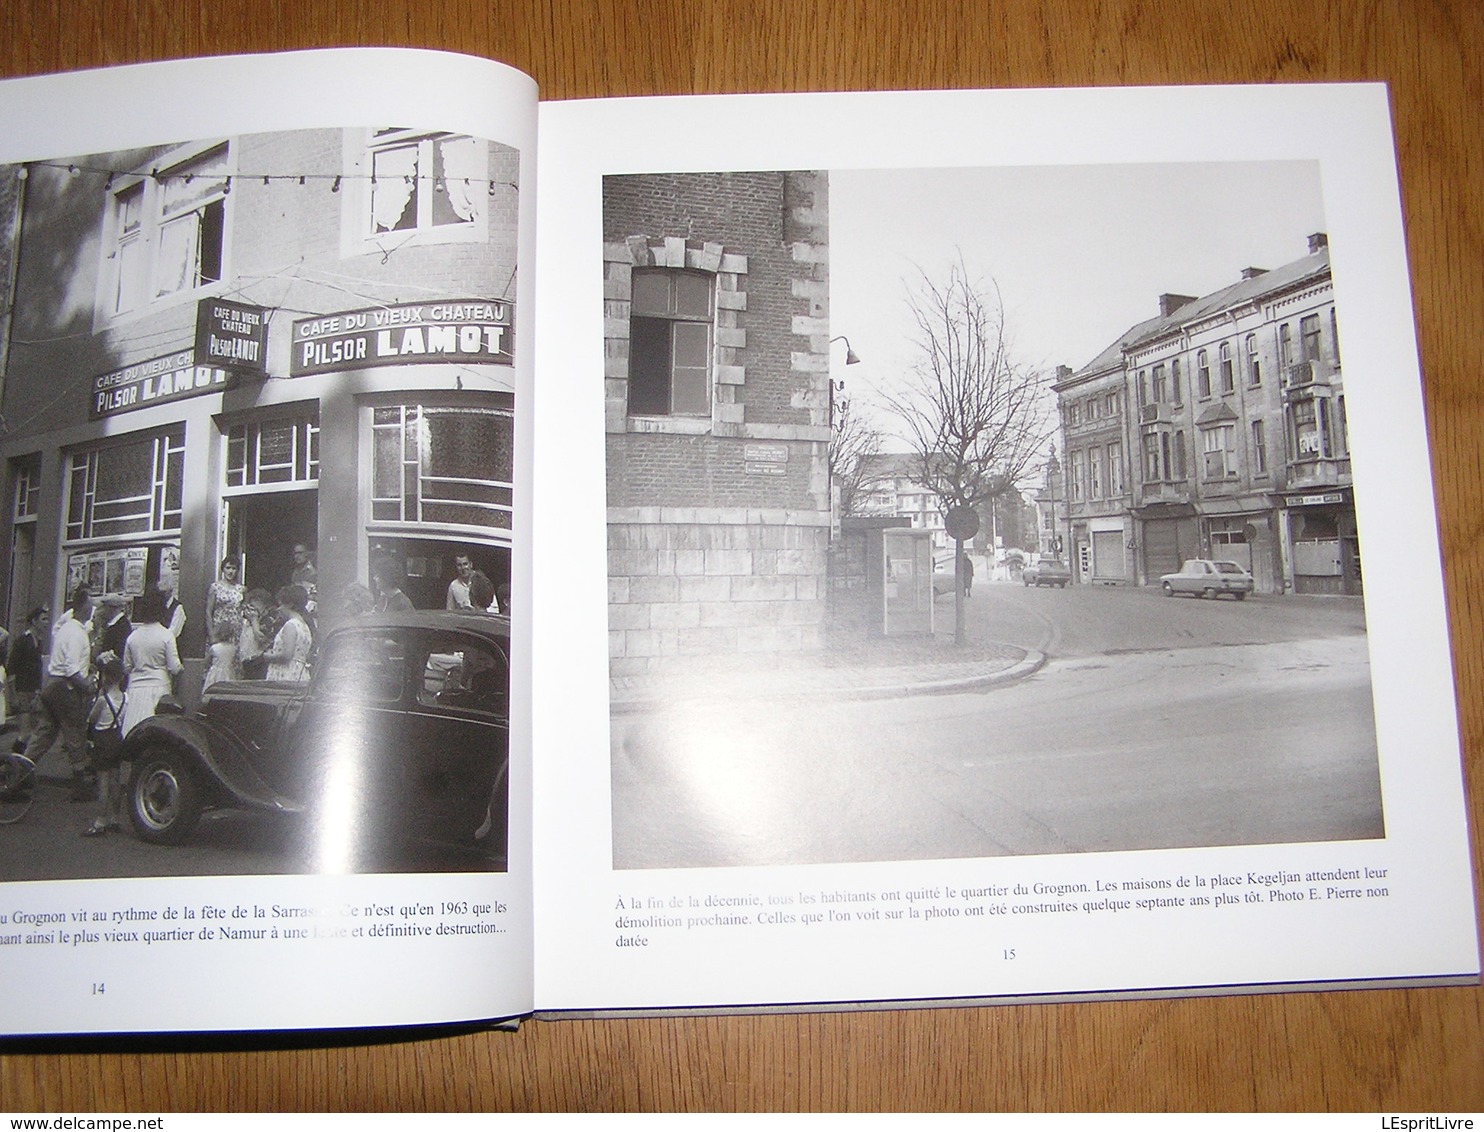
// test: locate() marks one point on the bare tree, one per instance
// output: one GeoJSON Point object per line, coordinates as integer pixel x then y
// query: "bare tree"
{"type": "Point", "coordinates": [855, 448]}
{"type": "Point", "coordinates": [974, 417]}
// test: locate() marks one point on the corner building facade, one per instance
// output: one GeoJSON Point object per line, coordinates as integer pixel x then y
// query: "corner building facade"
{"type": "Point", "coordinates": [1234, 445]}
{"type": "Point", "coordinates": [716, 381]}
{"type": "Point", "coordinates": [230, 347]}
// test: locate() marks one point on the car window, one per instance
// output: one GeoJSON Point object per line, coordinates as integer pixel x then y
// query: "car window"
{"type": "Point", "coordinates": [465, 674]}
{"type": "Point", "coordinates": [363, 666]}
{"type": "Point", "coordinates": [1228, 568]}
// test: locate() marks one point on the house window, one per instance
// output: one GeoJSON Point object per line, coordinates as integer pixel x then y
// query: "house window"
{"type": "Point", "coordinates": [1309, 335]}
{"type": "Point", "coordinates": [1177, 395]}
{"type": "Point", "coordinates": [126, 489]}
{"type": "Point", "coordinates": [1285, 345]}
{"type": "Point", "coordinates": [1334, 334]}
{"type": "Point", "coordinates": [1180, 459]}
{"type": "Point", "coordinates": [1159, 383]}
{"type": "Point", "coordinates": [1203, 373]}
{"type": "Point", "coordinates": [1228, 376]}
{"type": "Point", "coordinates": [670, 343]}
{"type": "Point", "coordinates": [1115, 469]}
{"type": "Point", "coordinates": [1074, 414]}
{"type": "Point", "coordinates": [1218, 452]}
{"type": "Point", "coordinates": [1094, 473]}
{"type": "Point", "coordinates": [1079, 473]}
{"type": "Point", "coordinates": [1254, 361]}
{"type": "Point", "coordinates": [442, 465]}
{"type": "Point", "coordinates": [27, 490]}
{"type": "Point", "coordinates": [1092, 408]}
{"type": "Point", "coordinates": [1151, 458]}
{"type": "Point", "coordinates": [167, 232]}
{"type": "Point", "coordinates": [1143, 388]}
{"type": "Point", "coordinates": [1110, 404]}
{"type": "Point", "coordinates": [1259, 449]}
{"type": "Point", "coordinates": [273, 452]}
{"type": "Point", "coordinates": [426, 183]}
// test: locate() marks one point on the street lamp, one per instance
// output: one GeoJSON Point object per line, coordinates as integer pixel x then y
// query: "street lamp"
{"type": "Point", "coordinates": [851, 359]}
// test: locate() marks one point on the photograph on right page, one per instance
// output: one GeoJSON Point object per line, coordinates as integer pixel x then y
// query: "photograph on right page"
{"type": "Point", "coordinates": [979, 512]}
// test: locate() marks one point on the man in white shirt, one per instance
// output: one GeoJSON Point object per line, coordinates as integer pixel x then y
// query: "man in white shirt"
{"type": "Point", "coordinates": [67, 695]}
{"type": "Point", "coordinates": [458, 589]}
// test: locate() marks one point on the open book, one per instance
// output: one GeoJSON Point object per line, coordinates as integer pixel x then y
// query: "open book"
{"type": "Point", "coordinates": [740, 552]}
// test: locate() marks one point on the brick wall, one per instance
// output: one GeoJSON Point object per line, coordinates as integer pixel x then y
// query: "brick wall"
{"type": "Point", "coordinates": [685, 586]}
{"type": "Point", "coordinates": [719, 525]}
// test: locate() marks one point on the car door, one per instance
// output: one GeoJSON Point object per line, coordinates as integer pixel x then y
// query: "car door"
{"type": "Point", "coordinates": [407, 729]}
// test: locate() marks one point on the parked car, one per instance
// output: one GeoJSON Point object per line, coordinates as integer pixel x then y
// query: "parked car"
{"type": "Point", "coordinates": [1047, 572]}
{"type": "Point", "coordinates": [1204, 577]}
{"type": "Point", "coordinates": [400, 737]}
{"type": "Point", "coordinates": [945, 578]}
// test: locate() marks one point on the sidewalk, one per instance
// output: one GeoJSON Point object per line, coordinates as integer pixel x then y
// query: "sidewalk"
{"type": "Point", "coordinates": [868, 670]}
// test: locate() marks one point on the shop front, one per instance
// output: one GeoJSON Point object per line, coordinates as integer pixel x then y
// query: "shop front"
{"type": "Point", "coordinates": [1169, 533]}
{"type": "Point", "coordinates": [1323, 543]}
{"type": "Point", "coordinates": [1243, 530]}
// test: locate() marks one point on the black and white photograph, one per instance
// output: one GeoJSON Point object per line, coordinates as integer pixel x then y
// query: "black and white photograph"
{"type": "Point", "coordinates": [979, 512]}
{"type": "Point", "coordinates": [258, 443]}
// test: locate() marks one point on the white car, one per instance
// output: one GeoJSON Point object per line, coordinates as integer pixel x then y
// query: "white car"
{"type": "Point", "coordinates": [1205, 577]}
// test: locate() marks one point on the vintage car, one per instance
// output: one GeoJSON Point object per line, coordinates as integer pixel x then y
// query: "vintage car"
{"type": "Point", "coordinates": [1203, 577]}
{"type": "Point", "coordinates": [399, 738]}
{"type": "Point", "coordinates": [1047, 572]}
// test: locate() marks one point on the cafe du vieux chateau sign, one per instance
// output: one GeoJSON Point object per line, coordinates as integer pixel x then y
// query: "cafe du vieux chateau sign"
{"type": "Point", "coordinates": [232, 341]}
{"type": "Point", "coordinates": [450, 330]}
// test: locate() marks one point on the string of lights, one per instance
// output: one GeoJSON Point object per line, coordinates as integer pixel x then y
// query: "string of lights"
{"type": "Point", "coordinates": [335, 180]}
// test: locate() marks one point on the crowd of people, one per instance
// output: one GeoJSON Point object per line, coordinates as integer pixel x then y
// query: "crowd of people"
{"type": "Point", "coordinates": [106, 671]}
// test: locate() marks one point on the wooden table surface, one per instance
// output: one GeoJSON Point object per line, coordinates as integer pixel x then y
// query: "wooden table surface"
{"type": "Point", "coordinates": [1419, 1050]}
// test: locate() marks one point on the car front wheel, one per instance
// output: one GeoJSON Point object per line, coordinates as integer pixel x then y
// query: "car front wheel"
{"type": "Point", "coordinates": [1169, 589]}
{"type": "Point", "coordinates": [1240, 595]}
{"type": "Point", "coordinates": [164, 797]}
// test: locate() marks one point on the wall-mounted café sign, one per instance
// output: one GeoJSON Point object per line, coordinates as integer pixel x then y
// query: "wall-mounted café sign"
{"type": "Point", "coordinates": [169, 378]}
{"type": "Point", "coordinates": [233, 335]}
{"type": "Point", "coordinates": [448, 330]}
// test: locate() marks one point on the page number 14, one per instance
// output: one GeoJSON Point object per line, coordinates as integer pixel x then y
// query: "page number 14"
{"type": "Point", "coordinates": [99, 988]}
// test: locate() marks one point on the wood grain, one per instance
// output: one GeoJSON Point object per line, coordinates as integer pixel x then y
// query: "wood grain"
{"type": "Point", "coordinates": [1393, 1050]}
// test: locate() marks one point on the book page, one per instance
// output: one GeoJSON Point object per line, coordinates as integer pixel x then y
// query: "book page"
{"type": "Point", "coordinates": [985, 551]}
{"type": "Point", "coordinates": [267, 384]}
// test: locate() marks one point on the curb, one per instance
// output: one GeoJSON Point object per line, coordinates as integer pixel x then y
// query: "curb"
{"type": "Point", "coordinates": [1031, 663]}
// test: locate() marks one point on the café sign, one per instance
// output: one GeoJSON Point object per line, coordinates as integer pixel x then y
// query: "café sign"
{"type": "Point", "coordinates": [450, 330]}
{"type": "Point", "coordinates": [232, 334]}
{"type": "Point", "coordinates": [170, 378]}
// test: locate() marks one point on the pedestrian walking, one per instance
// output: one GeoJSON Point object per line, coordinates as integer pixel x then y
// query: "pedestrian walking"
{"type": "Point", "coordinates": [67, 695]}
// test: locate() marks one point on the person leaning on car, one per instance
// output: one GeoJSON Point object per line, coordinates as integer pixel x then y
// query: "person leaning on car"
{"type": "Point", "coordinates": [68, 694]}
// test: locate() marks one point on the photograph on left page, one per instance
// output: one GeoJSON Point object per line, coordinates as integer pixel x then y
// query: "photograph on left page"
{"type": "Point", "coordinates": [258, 454]}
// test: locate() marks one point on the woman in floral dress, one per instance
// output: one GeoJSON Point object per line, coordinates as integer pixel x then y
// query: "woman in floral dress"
{"type": "Point", "coordinates": [288, 655]}
{"type": "Point", "coordinates": [224, 603]}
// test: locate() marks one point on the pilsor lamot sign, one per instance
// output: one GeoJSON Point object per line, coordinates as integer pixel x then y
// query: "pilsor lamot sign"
{"type": "Point", "coordinates": [173, 377]}
{"type": "Point", "coordinates": [476, 331]}
{"type": "Point", "coordinates": [232, 335]}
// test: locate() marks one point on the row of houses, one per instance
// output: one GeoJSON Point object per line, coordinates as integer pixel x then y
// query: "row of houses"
{"type": "Point", "coordinates": [1215, 429]}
